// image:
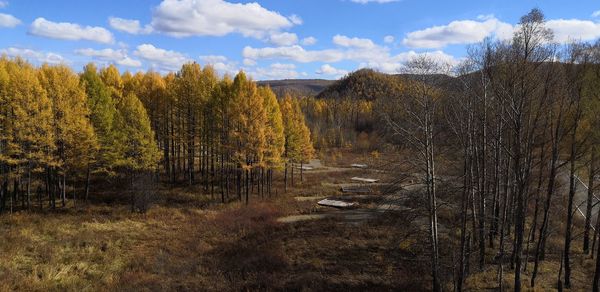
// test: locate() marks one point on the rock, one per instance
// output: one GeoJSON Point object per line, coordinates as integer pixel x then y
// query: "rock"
{"type": "Point", "coordinates": [336, 204]}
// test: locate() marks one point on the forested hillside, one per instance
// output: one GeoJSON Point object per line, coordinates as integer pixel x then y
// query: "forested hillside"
{"type": "Point", "coordinates": [297, 87]}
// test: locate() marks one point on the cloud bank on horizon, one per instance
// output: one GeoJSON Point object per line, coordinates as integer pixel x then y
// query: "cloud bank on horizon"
{"type": "Point", "coordinates": [270, 39]}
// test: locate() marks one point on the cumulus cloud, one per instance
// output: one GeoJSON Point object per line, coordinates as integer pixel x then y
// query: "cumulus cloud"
{"type": "Point", "coordinates": [309, 41]}
{"type": "Point", "coordinates": [283, 39]}
{"type": "Point", "coordinates": [7, 20]}
{"type": "Point", "coordinates": [330, 70]}
{"type": "Point", "coordinates": [118, 57]}
{"type": "Point", "coordinates": [345, 41]}
{"type": "Point", "coordinates": [596, 14]}
{"type": "Point", "coordinates": [161, 59]}
{"type": "Point", "coordinates": [131, 26]}
{"type": "Point", "coordinates": [129, 62]}
{"type": "Point", "coordinates": [388, 39]}
{"type": "Point", "coordinates": [566, 30]}
{"type": "Point", "coordinates": [373, 1]}
{"type": "Point", "coordinates": [362, 52]}
{"type": "Point", "coordinates": [3, 4]}
{"type": "Point", "coordinates": [473, 31]}
{"type": "Point", "coordinates": [249, 62]}
{"type": "Point", "coordinates": [182, 18]}
{"type": "Point", "coordinates": [396, 63]}
{"type": "Point", "coordinates": [356, 49]}
{"type": "Point", "coordinates": [459, 32]}
{"type": "Point", "coordinates": [276, 71]}
{"type": "Point", "coordinates": [34, 56]}
{"type": "Point", "coordinates": [295, 19]}
{"type": "Point", "coordinates": [221, 64]}
{"type": "Point", "coordinates": [211, 59]}
{"type": "Point", "coordinates": [295, 53]}
{"type": "Point", "coordinates": [70, 31]}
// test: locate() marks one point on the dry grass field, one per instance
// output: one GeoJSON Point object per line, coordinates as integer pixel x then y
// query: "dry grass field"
{"type": "Point", "coordinates": [187, 242]}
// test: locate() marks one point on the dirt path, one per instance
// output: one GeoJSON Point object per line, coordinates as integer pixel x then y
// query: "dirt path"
{"type": "Point", "coordinates": [375, 206]}
{"type": "Point", "coordinates": [580, 198]}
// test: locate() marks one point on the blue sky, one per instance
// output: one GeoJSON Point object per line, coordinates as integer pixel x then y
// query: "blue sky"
{"type": "Point", "coordinates": [271, 39]}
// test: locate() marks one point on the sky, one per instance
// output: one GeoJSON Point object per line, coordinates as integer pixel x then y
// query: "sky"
{"type": "Point", "coordinates": [272, 39]}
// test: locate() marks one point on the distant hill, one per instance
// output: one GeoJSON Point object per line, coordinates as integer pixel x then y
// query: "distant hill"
{"type": "Point", "coordinates": [304, 87]}
{"type": "Point", "coordinates": [366, 84]}
{"type": "Point", "coordinates": [363, 84]}
{"type": "Point", "coordinates": [369, 84]}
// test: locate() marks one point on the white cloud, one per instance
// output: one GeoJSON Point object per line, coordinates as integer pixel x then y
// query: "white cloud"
{"type": "Point", "coordinates": [388, 39]}
{"type": "Point", "coordinates": [210, 59]}
{"type": "Point", "coordinates": [309, 41]}
{"type": "Point", "coordinates": [473, 31]}
{"type": "Point", "coordinates": [284, 39]}
{"type": "Point", "coordinates": [395, 64]}
{"type": "Point", "coordinates": [70, 31]}
{"type": "Point", "coordinates": [161, 59]}
{"type": "Point", "coordinates": [249, 62]}
{"type": "Point", "coordinates": [221, 64]}
{"type": "Point", "coordinates": [373, 1]}
{"type": "Point", "coordinates": [374, 56]}
{"type": "Point", "coordinates": [330, 70]}
{"type": "Point", "coordinates": [182, 18]}
{"type": "Point", "coordinates": [131, 26]}
{"type": "Point", "coordinates": [34, 56]}
{"type": "Point", "coordinates": [3, 4]}
{"type": "Point", "coordinates": [7, 20]}
{"type": "Point", "coordinates": [129, 62]}
{"type": "Point", "coordinates": [295, 19]}
{"type": "Point", "coordinates": [348, 49]}
{"type": "Point", "coordinates": [295, 53]}
{"type": "Point", "coordinates": [459, 32]}
{"type": "Point", "coordinates": [276, 71]}
{"type": "Point", "coordinates": [345, 41]}
{"type": "Point", "coordinates": [566, 30]}
{"type": "Point", "coordinates": [596, 14]}
{"type": "Point", "coordinates": [118, 57]}
{"type": "Point", "coordinates": [486, 16]}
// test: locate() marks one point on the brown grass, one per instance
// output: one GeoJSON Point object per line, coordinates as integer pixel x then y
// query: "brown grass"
{"type": "Point", "coordinates": [186, 241]}
{"type": "Point", "coordinates": [190, 242]}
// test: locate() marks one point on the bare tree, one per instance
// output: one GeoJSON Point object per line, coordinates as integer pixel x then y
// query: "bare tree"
{"type": "Point", "coordinates": [415, 122]}
{"type": "Point", "coordinates": [514, 71]}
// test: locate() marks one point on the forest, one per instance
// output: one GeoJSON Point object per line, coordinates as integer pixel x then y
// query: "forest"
{"type": "Point", "coordinates": [488, 175]}
{"type": "Point", "coordinates": [59, 129]}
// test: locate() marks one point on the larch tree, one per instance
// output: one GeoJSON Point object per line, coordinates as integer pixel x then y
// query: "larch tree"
{"type": "Point", "coordinates": [274, 133]}
{"type": "Point", "coordinates": [139, 150]}
{"type": "Point", "coordinates": [29, 137]}
{"type": "Point", "coordinates": [306, 151]}
{"type": "Point", "coordinates": [74, 135]}
{"type": "Point", "coordinates": [191, 98]}
{"type": "Point", "coordinates": [292, 137]}
{"type": "Point", "coordinates": [102, 111]}
{"type": "Point", "coordinates": [248, 128]}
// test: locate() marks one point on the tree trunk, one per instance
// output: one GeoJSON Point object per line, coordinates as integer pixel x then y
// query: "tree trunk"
{"type": "Point", "coordinates": [589, 205]}
{"type": "Point", "coordinates": [28, 184]}
{"type": "Point", "coordinates": [597, 271]}
{"type": "Point", "coordinates": [572, 190]}
{"type": "Point", "coordinates": [285, 177]}
{"type": "Point", "coordinates": [87, 183]}
{"type": "Point", "coordinates": [247, 187]}
{"type": "Point", "coordinates": [463, 229]}
{"type": "Point", "coordinates": [63, 191]}
{"type": "Point", "coordinates": [292, 174]}
{"type": "Point", "coordinates": [539, 251]}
